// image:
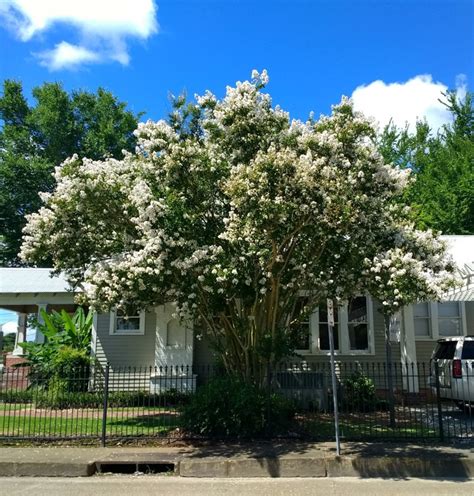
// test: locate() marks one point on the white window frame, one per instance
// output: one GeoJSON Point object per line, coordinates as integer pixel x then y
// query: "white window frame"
{"type": "Point", "coordinates": [113, 331]}
{"type": "Point", "coordinates": [434, 322]}
{"type": "Point", "coordinates": [344, 343]}
{"type": "Point", "coordinates": [430, 322]}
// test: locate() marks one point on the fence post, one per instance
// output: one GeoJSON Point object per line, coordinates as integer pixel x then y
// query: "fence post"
{"type": "Point", "coordinates": [389, 371]}
{"type": "Point", "coordinates": [438, 401]}
{"type": "Point", "coordinates": [105, 405]}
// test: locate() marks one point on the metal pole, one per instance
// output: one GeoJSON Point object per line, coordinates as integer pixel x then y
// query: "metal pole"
{"type": "Point", "coordinates": [333, 374]}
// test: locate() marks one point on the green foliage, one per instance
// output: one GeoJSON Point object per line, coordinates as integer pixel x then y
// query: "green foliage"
{"type": "Point", "coordinates": [61, 329]}
{"type": "Point", "coordinates": [230, 407]}
{"type": "Point", "coordinates": [8, 342]}
{"type": "Point", "coordinates": [71, 369]}
{"type": "Point", "coordinates": [35, 139]}
{"type": "Point", "coordinates": [359, 393]}
{"type": "Point", "coordinates": [57, 398]}
{"type": "Point", "coordinates": [65, 352]}
{"type": "Point", "coordinates": [17, 396]}
{"type": "Point", "coordinates": [442, 192]}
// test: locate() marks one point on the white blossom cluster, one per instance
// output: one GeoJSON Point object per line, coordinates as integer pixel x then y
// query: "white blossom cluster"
{"type": "Point", "coordinates": [237, 218]}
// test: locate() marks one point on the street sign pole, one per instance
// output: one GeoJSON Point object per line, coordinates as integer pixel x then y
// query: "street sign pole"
{"type": "Point", "coordinates": [330, 307]}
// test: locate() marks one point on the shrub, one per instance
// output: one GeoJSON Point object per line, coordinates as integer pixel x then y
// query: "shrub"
{"type": "Point", "coordinates": [71, 370]}
{"type": "Point", "coordinates": [359, 393]}
{"type": "Point", "coordinates": [229, 407]}
{"type": "Point", "coordinates": [17, 396]}
{"type": "Point", "coordinates": [143, 398]}
{"type": "Point", "coordinates": [57, 398]}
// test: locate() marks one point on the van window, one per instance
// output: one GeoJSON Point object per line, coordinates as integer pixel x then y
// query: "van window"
{"type": "Point", "coordinates": [468, 350]}
{"type": "Point", "coordinates": [445, 351]}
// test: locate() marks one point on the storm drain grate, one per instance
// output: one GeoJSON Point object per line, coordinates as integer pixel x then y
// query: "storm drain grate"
{"type": "Point", "coordinates": [132, 468]}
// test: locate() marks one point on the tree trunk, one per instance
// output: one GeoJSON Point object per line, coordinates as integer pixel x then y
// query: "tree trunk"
{"type": "Point", "coordinates": [389, 365]}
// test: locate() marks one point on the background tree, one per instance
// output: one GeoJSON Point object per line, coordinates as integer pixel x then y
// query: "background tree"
{"type": "Point", "coordinates": [442, 194]}
{"type": "Point", "coordinates": [234, 212]}
{"type": "Point", "coordinates": [8, 342]}
{"type": "Point", "coordinates": [35, 139]}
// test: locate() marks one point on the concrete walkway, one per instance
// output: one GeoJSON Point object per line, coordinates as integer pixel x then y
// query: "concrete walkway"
{"type": "Point", "coordinates": [180, 486]}
{"type": "Point", "coordinates": [245, 460]}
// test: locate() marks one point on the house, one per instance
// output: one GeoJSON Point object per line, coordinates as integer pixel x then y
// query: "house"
{"type": "Point", "coordinates": [156, 339]}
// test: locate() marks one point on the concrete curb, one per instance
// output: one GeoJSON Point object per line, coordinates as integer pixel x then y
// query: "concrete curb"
{"type": "Point", "coordinates": [45, 469]}
{"type": "Point", "coordinates": [219, 467]}
{"type": "Point", "coordinates": [365, 467]}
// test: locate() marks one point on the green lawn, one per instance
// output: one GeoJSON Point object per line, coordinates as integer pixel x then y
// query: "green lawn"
{"type": "Point", "coordinates": [367, 429]}
{"type": "Point", "coordinates": [57, 424]}
{"type": "Point", "coordinates": [148, 421]}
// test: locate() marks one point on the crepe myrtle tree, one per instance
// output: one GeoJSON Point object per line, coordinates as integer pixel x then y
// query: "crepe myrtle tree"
{"type": "Point", "coordinates": [415, 269]}
{"type": "Point", "coordinates": [233, 211]}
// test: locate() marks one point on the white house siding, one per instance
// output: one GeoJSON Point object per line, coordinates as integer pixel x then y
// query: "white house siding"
{"type": "Point", "coordinates": [125, 350]}
{"type": "Point", "coordinates": [424, 349]}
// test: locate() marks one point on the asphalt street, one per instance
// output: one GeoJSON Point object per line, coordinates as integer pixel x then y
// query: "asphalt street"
{"type": "Point", "coordinates": [171, 486]}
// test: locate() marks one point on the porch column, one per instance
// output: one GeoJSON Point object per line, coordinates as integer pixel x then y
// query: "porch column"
{"type": "Point", "coordinates": [39, 335]}
{"type": "Point", "coordinates": [408, 351]}
{"type": "Point", "coordinates": [21, 333]}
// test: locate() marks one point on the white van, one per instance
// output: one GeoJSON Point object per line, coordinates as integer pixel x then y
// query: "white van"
{"type": "Point", "coordinates": [455, 359]}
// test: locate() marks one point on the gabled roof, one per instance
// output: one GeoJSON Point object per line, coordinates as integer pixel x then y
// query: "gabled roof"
{"type": "Point", "coordinates": [31, 280]}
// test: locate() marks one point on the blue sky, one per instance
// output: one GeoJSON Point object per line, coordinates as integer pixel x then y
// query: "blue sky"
{"type": "Point", "coordinates": [314, 51]}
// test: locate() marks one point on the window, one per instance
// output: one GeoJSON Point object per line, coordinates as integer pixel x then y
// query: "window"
{"type": "Point", "coordinates": [121, 323]}
{"type": "Point", "coordinates": [324, 329]}
{"type": "Point", "coordinates": [353, 324]}
{"type": "Point", "coordinates": [422, 318]}
{"type": "Point", "coordinates": [300, 326]}
{"type": "Point", "coordinates": [433, 320]}
{"type": "Point", "coordinates": [445, 351]}
{"type": "Point", "coordinates": [468, 350]}
{"type": "Point", "coordinates": [358, 324]}
{"type": "Point", "coordinates": [449, 319]}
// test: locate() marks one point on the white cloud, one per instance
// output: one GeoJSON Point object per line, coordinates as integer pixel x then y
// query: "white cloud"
{"type": "Point", "coordinates": [9, 327]}
{"type": "Point", "coordinates": [66, 55]}
{"type": "Point", "coordinates": [103, 26]}
{"type": "Point", "coordinates": [404, 103]}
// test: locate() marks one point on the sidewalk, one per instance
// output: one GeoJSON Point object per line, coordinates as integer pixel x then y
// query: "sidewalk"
{"type": "Point", "coordinates": [283, 459]}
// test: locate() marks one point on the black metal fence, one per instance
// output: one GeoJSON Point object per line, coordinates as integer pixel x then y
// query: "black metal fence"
{"type": "Point", "coordinates": [107, 404]}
